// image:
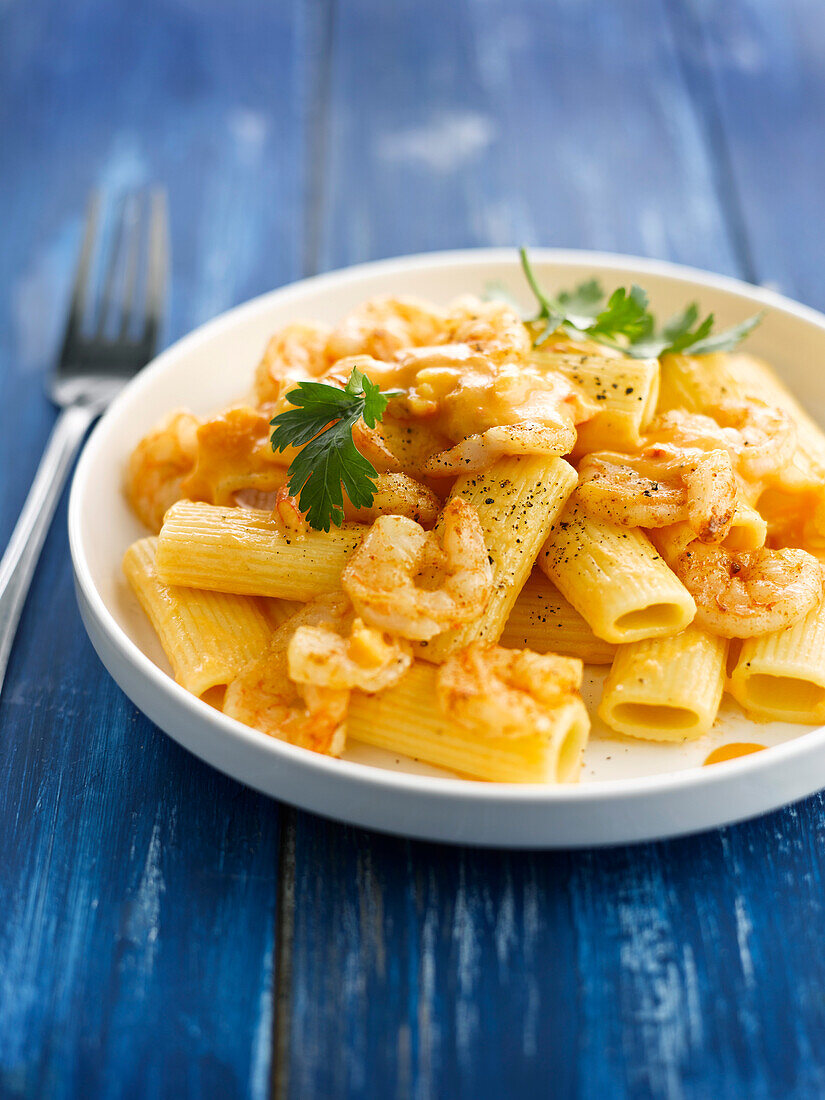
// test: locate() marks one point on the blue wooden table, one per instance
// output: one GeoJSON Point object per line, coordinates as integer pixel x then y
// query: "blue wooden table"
{"type": "Point", "coordinates": [163, 930]}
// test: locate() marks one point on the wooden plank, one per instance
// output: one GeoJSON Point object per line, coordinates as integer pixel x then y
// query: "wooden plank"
{"type": "Point", "coordinates": [756, 69]}
{"type": "Point", "coordinates": [530, 122]}
{"type": "Point", "coordinates": [666, 970]}
{"type": "Point", "coordinates": [137, 886]}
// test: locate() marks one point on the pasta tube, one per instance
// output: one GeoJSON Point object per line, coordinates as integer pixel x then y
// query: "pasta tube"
{"type": "Point", "coordinates": [666, 689]}
{"type": "Point", "coordinates": [517, 499]}
{"type": "Point", "coordinates": [699, 382]}
{"type": "Point", "coordinates": [278, 611]}
{"type": "Point", "coordinates": [747, 532]}
{"type": "Point", "coordinates": [615, 579]}
{"type": "Point", "coordinates": [543, 620]}
{"type": "Point", "coordinates": [207, 636]}
{"type": "Point", "coordinates": [407, 719]}
{"type": "Point", "coordinates": [624, 392]}
{"type": "Point", "coordinates": [248, 552]}
{"type": "Point", "coordinates": [781, 676]}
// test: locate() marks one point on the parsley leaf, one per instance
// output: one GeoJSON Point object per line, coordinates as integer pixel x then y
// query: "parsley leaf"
{"type": "Point", "coordinates": [679, 335]}
{"type": "Point", "coordinates": [625, 315]}
{"type": "Point", "coordinates": [705, 342]}
{"type": "Point", "coordinates": [626, 323]}
{"type": "Point", "coordinates": [328, 463]}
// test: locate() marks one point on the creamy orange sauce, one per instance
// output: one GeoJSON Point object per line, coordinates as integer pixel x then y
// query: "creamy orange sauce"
{"type": "Point", "coordinates": [733, 751]}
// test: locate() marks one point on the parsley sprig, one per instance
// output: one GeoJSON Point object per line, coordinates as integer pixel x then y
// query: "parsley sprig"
{"type": "Point", "coordinates": [328, 463]}
{"type": "Point", "coordinates": [625, 322]}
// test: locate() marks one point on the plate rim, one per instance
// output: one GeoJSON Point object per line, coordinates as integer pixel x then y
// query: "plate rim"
{"type": "Point", "coordinates": [463, 791]}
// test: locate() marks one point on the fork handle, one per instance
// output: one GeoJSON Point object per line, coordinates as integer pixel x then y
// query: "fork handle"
{"type": "Point", "coordinates": [19, 561]}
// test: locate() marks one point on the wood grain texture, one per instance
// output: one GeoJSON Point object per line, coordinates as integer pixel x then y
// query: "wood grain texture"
{"type": "Point", "coordinates": [756, 68]}
{"type": "Point", "coordinates": [687, 969]}
{"type": "Point", "coordinates": [542, 121]}
{"type": "Point", "coordinates": [137, 886]}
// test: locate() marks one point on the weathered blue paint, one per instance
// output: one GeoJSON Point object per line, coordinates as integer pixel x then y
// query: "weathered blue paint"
{"type": "Point", "coordinates": [138, 889]}
{"type": "Point", "coordinates": [671, 970]}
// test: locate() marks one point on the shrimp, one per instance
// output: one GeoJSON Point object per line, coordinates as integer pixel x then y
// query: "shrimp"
{"type": "Point", "coordinates": [372, 444]}
{"type": "Point", "coordinates": [398, 495]}
{"type": "Point", "coordinates": [469, 396]}
{"type": "Point", "coordinates": [158, 466]}
{"type": "Point", "coordinates": [746, 593]}
{"type": "Point", "coordinates": [661, 486]}
{"type": "Point", "coordinates": [395, 495]}
{"type": "Point", "coordinates": [399, 446]}
{"type": "Point", "coordinates": [383, 326]}
{"type": "Point", "coordinates": [295, 352]}
{"type": "Point", "coordinates": [401, 580]}
{"type": "Point", "coordinates": [363, 658]}
{"type": "Point", "coordinates": [760, 438]}
{"type": "Point", "coordinates": [493, 329]}
{"type": "Point", "coordinates": [234, 452]}
{"type": "Point", "coordinates": [477, 452]}
{"type": "Point", "coordinates": [289, 513]}
{"type": "Point", "coordinates": [507, 692]}
{"type": "Point", "coordinates": [263, 695]}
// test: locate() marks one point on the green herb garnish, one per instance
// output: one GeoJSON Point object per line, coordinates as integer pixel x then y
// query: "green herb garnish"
{"type": "Point", "coordinates": [625, 322]}
{"type": "Point", "coordinates": [328, 463]}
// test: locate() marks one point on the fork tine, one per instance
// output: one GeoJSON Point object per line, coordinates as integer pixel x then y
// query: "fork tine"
{"type": "Point", "coordinates": [138, 217]}
{"type": "Point", "coordinates": [80, 287]}
{"type": "Point", "coordinates": [107, 294]}
{"type": "Point", "coordinates": [156, 266]}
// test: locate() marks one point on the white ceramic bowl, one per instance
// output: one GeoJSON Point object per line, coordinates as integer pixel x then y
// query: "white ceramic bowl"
{"type": "Point", "coordinates": [629, 790]}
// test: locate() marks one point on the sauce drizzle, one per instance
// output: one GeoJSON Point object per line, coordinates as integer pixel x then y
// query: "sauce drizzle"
{"type": "Point", "coordinates": [733, 751]}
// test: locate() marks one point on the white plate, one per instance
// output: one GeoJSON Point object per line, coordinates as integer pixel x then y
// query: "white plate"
{"type": "Point", "coordinates": [630, 790]}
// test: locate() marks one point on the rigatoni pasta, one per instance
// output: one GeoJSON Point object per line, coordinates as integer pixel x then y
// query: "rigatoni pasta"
{"type": "Point", "coordinates": [781, 676]}
{"type": "Point", "coordinates": [624, 393]}
{"type": "Point", "coordinates": [247, 552]}
{"type": "Point", "coordinates": [666, 689]}
{"type": "Point", "coordinates": [517, 500]}
{"type": "Point", "coordinates": [207, 636]}
{"type": "Point", "coordinates": [615, 579]}
{"type": "Point", "coordinates": [544, 621]}
{"type": "Point", "coordinates": [407, 719]}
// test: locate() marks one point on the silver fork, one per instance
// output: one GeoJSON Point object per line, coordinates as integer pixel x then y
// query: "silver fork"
{"type": "Point", "coordinates": [102, 348]}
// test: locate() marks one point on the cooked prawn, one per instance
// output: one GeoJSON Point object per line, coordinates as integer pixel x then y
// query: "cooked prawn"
{"type": "Point", "coordinates": [506, 692]}
{"type": "Point", "coordinates": [383, 326]}
{"type": "Point", "coordinates": [662, 485]}
{"type": "Point", "coordinates": [395, 495]}
{"type": "Point", "coordinates": [477, 452]}
{"type": "Point", "coordinates": [492, 328]}
{"type": "Point", "coordinates": [289, 512]}
{"type": "Point", "coordinates": [234, 452]}
{"type": "Point", "coordinates": [360, 657]}
{"type": "Point", "coordinates": [746, 593]}
{"type": "Point", "coordinates": [398, 495]}
{"type": "Point", "coordinates": [158, 466]}
{"type": "Point", "coordinates": [760, 438]}
{"type": "Point", "coordinates": [295, 352]}
{"type": "Point", "coordinates": [401, 580]}
{"type": "Point", "coordinates": [399, 446]}
{"type": "Point", "coordinates": [263, 695]}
